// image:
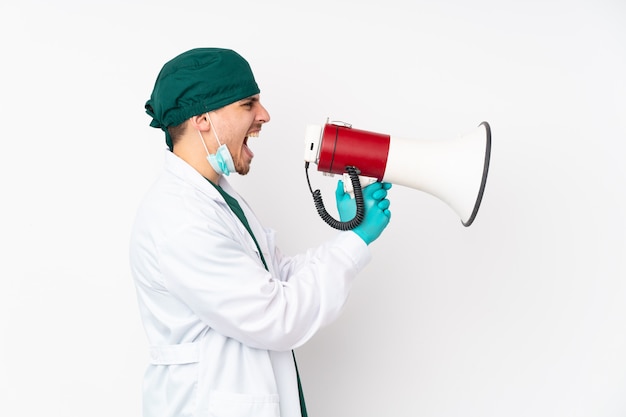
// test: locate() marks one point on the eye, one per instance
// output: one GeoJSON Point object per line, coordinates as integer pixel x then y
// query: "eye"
{"type": "Point", "coordinates": [249, 102]}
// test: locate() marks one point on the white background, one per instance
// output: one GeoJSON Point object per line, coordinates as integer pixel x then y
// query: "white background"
{"type": "Point", "coordinates": [522, 314]}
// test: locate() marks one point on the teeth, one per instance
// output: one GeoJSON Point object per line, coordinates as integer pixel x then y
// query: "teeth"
{"type": "Point", "coordinates": [253, 135]}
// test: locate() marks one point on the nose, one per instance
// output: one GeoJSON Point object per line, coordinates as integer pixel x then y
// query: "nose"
{"type": "Point", "coordinates": [263, 115]}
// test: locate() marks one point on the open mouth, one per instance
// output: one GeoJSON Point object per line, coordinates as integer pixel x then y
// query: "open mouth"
{"type": "Point", "coordinates": [245, 143]}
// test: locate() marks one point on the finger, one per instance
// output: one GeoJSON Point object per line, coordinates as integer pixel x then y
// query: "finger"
{"type": "Point", "coordinates": [339, 192]}
{"type": "Point", "coordinates": [380, 194]}
{"type": "Point", "coordinates": [384, 204]}
{"type": "Point", "coordinates": [369, 191]}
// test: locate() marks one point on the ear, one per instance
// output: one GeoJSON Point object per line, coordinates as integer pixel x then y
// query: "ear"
{"type": "Point", "coordinates": [200, 122]}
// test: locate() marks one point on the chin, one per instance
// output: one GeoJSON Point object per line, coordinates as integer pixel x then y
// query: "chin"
{"type": "Point", "coordinates": [243, 170]}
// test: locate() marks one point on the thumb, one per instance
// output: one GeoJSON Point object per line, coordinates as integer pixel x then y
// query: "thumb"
{"type": "Point", "coordinates": [340, 191]}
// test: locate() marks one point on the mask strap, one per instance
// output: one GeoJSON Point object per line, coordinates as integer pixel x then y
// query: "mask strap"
{"type": "Point", "coordinates": [213, 129]}
{"type": "Point", "coordinates": [214, 133]}
{"type": "Point", "coordinates": [221, 161]}
{"type": "Point", "coordinates": [203, 143]}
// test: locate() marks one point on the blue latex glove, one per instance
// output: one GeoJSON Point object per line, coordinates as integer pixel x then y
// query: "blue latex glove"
{"type": "Point", "coordinates": [377, 212]}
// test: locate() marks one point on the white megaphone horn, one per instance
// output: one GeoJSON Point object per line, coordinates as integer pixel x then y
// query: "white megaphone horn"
{"type": "Point", "coordinates": [455, 171]}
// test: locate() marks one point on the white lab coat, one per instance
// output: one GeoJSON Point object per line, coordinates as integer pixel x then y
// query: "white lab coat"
{"type": "Point", "coordinates": [220, 327]}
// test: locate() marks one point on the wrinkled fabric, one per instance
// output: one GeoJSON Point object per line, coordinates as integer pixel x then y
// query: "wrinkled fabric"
{"type": "Point", "coordinates": [220, 326]}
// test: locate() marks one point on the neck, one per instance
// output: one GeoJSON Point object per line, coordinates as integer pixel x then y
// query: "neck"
{"type": "Point", "coordinates": [196, 157]}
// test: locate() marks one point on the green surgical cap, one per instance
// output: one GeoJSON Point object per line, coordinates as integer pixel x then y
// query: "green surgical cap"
{"type": "Point", "coordinates": [198, 81]}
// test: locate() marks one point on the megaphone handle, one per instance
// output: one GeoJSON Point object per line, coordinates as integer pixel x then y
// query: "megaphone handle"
{"type": "Point", "coordinates": [353, 172]}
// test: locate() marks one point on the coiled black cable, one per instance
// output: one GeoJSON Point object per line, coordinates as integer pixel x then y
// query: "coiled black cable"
{"type": "Point", "coordinates": [353, 172]}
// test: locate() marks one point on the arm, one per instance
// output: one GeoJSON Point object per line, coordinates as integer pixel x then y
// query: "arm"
{"type": "Point", "coordinates": [213, 273]}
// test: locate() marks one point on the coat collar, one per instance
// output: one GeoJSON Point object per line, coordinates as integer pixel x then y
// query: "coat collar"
{"type": "Point", "coordinates": [186, 173]}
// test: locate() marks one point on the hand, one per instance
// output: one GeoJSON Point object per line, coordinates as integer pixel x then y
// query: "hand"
{"type": "Point", "coordinates": [377, 212]}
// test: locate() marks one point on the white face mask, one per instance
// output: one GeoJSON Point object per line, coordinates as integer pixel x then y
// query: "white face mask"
{"type": "Point", "coordinates": [221, 161]}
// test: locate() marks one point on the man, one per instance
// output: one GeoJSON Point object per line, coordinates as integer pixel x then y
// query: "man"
{"type": "Point", "coordinates": [222, 308]}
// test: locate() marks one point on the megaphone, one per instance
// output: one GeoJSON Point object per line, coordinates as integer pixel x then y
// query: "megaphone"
{"type": "Point", "coordinates": [454, 171]}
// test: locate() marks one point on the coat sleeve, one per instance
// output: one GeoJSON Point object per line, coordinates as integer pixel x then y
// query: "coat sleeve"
{"type": "Point", "coordinates": [210, 269]}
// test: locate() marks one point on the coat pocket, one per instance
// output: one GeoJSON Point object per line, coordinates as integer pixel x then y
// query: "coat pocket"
{"type": "Point", "coordinates": [228, 404]}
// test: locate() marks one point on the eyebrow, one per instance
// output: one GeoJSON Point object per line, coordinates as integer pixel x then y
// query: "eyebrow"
{"type": "Point", "coordinates": [251, 98]}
